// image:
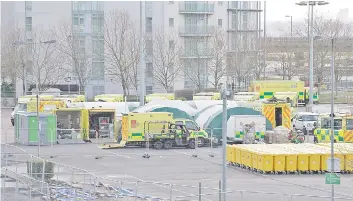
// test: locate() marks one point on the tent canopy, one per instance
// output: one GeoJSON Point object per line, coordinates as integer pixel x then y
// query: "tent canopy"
{"type": "Point", "coordinates": [177, 112]}
{"type": "Point", "coordinates": [211, 118]}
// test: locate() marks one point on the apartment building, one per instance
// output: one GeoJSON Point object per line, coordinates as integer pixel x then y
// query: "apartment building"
{"type": "Point", "coordinates": [194, 23]}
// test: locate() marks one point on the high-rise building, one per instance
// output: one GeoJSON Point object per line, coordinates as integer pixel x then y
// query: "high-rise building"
{"type": "Point", "coordinates": [193, 22]}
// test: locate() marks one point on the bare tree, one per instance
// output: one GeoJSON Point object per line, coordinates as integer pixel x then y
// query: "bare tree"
{"type": "Point", "coordinates": [133, 74]}
{"type": "Point", "coordinates": [217, 64]}
{"type": "Point", "coordinates": [120, 47]}
{"type": "Point", "coordinates": [326, 28]}
{"type": "Point", "coordinates": [46, 60]}
{"type": "Point", "coordinates": [75, 55]}
{"type": "Point", "coordinates": [12, 57]}
{"type": "Point", "coordinates": [197, 64]}
{"type": "Point", "coordinates": [166, 64]}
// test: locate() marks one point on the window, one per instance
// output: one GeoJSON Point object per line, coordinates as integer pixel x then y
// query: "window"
{"type": "Point", "coordinates": [148, 24]}
{"type": "Point", "coordinates": [171, 45]}
{"type": "Point", "coordinates": [98, 48]}
{"type": "Point", "coordinates": [97, 5]}
{"type": "Point", "coordinates": [29, 46]}
{"type": "Point", "coordinates": [149, 70]}
{"type": "Point", "coordinates": [28, 5]}
{"type": "Point", "coordinates": [349, 124]}
{"type": "Point", "coordinates": [171, 22]}
{"type": "Point", "coordinates": [29, 68]}
{"type": "Point", "coordinates": [28, 23]}
{"type": "Point", "coordinates": [171, 2]}
{"type": "Point", "coordinates": [220, 3]}
{"type": "Point", "coordinates": [149, 90]}
{"type": "Point", "coordinates": [149, 47]}
{"type": "Point", "coordinates": [220, 22]}
{"type": "Point", "coordinates": [97, 23]}
{"type": "Point", "coordinates": [98, 69]}
{"type": "Point", "coordinates": [190, 125]}
{"type": "Point", "coordinates": [326, 123]}
{"type": "Point", "coordinates": [79, 22]}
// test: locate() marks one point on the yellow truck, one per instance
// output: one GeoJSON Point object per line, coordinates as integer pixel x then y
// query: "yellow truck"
{"type": "Point", "coordinates": [109, 98]}
{"type": "Point", "coordinates": [246, 96]}
{"type": "Point", "coordinates": [268, 88]}
{"type": "Point", "coordinates": [158, 129]}
{"type": "Point", "coordinates": [343, 128]}
{"type": "Point", "coordinates": [207, 96]}
{"type": "Point", "coordinates": [45, 105]}
{"type": "Point", "coordinates": [88, 123]}
{"type": "Point", "coordinates": [315, 96]}
{"type": "Point", "coordinates": [159, 96]}
{"type": "Point", "coordinates": [23, 101]}
{"type": "Point", "coordinates": [71, 98]}
{"type": "Point", "coordinates": [290, 97]}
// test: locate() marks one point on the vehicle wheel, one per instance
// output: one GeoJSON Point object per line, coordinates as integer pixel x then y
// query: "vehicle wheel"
{"type": "Point", "coordinates": [201, 142]}
{"type": "Point", "coordinates": [191, 144]}
{"type": "Point", "coordinates": [158, 145]}
{"type": "Point", "coordinates": [168, 144]}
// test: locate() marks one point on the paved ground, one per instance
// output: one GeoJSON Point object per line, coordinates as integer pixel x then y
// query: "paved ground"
{"type": "Point", "coordinates": [180, 168]}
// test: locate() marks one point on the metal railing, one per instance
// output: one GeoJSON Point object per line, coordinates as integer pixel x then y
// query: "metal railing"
{"type": "Point", "coordinates": [76, 183]}
{"type": "Point", "coordinates": [196, 7]}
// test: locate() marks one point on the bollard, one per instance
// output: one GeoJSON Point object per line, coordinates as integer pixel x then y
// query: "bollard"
{"type": "Point", "coordinates": [200, 191]}
{"type": "Point", "coordinates": [219, 190]}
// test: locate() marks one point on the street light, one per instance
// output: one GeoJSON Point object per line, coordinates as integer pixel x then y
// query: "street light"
{"type": "Point", "coordinates": [311, 5]}
{"type": "Point", "coordinates": [291, 25]}
{"type": "Point", "coordinates": [37, 82]}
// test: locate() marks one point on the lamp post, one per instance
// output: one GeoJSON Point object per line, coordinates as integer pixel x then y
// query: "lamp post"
{"type": "Point", "coordinates": [142, 69]}
{"type": "Point", "coordinates": [332, 118]}
{"type": "Point", "coordinates": [225, 93]}
{"type": "Point", "coordinates": [311, 5]}
{"type": "Point", "coordinates": [37, 83]}
{"type": "Point", "coordinates": [291, 25]}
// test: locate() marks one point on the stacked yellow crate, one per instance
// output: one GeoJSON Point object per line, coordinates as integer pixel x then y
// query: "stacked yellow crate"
{"type": "Point", "coordinates": [345, 153]}
{"type": "Point", "coordinates": [302, 157]}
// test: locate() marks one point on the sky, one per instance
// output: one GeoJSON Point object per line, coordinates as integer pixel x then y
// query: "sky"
{"type": "Point", "coordinates": [278, 9]}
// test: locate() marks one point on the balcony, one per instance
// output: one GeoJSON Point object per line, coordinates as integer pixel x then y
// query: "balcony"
{"type": "Point", "coordinates": [196, 7]}
{"type": "Point", "coordinates": [194, 30]}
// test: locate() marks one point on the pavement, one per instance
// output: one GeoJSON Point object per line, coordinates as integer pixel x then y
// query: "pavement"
{"type": "Point", "coordinates": [180, 168]}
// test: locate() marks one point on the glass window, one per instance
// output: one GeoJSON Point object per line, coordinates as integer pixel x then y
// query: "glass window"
{"type": "Point", "coordinates": [349, 124]}
{"type": "Point", "coordinates": [309, 117]}
{"type": "Point", "coordinates": [149, 24]}
{"type": "Point", "coordinates": [75, 20]}
{"type": "Point", "coordinates": [149, 47]}
{"type": "Point", "coordinates": [190, 125]}
{"type": "Point", "coordinates": [28, 5]}
{"type": "Point", "coordinates": [82, 20]}
{"type": "Point", "coordinates": [149, 69]}
{"type": "Point", "coordinates": [29, 46]}
{"type": "Point", "coordinates": [326, 123]}
{"type": "Point", "coordinates": [220, 22]}
{"type": "Point", "coordinates": [337, 124]}
{"type": "Point", "coordinates": [28, 23]}
{"type": "Point", "coordinates": [171, 45]}
{"type": "Point", "coordinates": [98, 69]}
{"type": "Point", "coordinates": [149, 90]}
{"type": "Point", "coordinates": [171, 22]}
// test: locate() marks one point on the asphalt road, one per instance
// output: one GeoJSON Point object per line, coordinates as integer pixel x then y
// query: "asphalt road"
{"type": "Point", "coordinates": [180, 168]}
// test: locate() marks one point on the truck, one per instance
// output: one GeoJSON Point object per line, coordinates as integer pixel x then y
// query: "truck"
{"type": "Point", "coordinates": [24, 100]}
{"type": "Point", "coordinates": [207, 96]}
{"type": "Point", "coordinates": [268, 88]}
{"type": "Point", "coordinates": [245, 129]}
{"type": "Point", "coordinates": [343, 128]}
{"type": "Point", "coordinates": [159, 96]}
{"type": "Point", "coordinates": [140, 129]}
{"type": "Point", "coordinates": [201, 135]}
{"type": "Point", "coordinates": [278, 113]}
{"type": "Point", "coordinates": [109, 98]}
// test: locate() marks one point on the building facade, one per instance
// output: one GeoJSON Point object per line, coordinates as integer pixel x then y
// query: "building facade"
{"type": "Point", "coordinates": [194, 23]}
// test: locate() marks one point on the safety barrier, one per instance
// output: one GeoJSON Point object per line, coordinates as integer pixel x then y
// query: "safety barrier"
{"type": "Point", "coordinates": [75, 183]}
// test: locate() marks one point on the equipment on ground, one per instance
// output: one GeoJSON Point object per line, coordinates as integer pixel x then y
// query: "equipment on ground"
{"type": "Point", "coordinates": [245, 129]}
